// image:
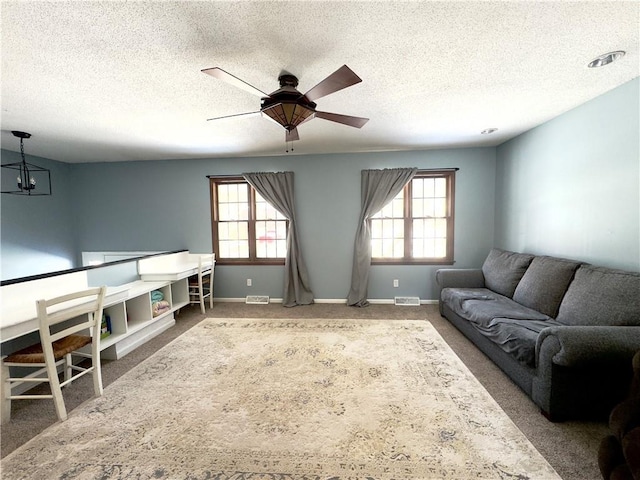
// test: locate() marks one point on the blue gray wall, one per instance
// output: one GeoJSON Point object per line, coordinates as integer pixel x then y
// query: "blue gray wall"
{"type": "Point", "coordinates": [165, 206]}
{"type": "Point", "coordinates": [571, 187]}
{"type": "Point", "coordinates": [37, 233]}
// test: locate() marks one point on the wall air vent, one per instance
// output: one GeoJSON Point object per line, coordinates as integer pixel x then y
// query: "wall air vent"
{"type": "Point", "coordinates": [407, 301]}
{"type": "Point", "coordinates": [257, 300]}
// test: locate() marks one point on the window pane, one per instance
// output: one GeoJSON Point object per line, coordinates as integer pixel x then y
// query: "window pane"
{"type": "Point", "coordinates": [223, 231]}
{"type": "Point", "coordinates": [418, 187]}
{"type": "Point", "coordinates": [223, 249]}
{"type": "Point", "coordinates": [376, 228]}
{"type": "Point", "coordinates": [387, 248]}
{"type": "Point", "coordinates": [233, 231]}
{"type": "Point", "coordinates": [398, 248]}
{"type": "Point", "coordinates": [440, 187]}
{"type": "Point", "coordinates": [418, 208]}
{"type": "Point", "coordinates": [261, 249]}
{"type": "Point", "coordinates": [261, 211]}
{"type": "Point", "coordinates": [223, 193]}
{"type": "Point", "coordinates": [223, 211]}
{"type": "Point", "coordinates": [243, 211]}
{"type": "Point", "coordinates": [243, 193]}
{"type": "Point", "coordinates": [418, 248]}
{"type": "Point", "coordinates": [398, 206]}
{"type": "Point", "coordinates": [376, 248]}
{"type": "Point", "coordinates": [429, 187]}
{"type": "Point", "coordinates": [243, 230]}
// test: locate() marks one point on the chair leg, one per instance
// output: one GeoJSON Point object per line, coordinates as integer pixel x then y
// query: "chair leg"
{"type": "Point", "coordinates": [97, 372]}
{"type": "Point", "coordinates": [68, 362]}
{"type": "Point", "coordinates": [56, 391]}
{"type": "Point", "coordinates": [5, 386]}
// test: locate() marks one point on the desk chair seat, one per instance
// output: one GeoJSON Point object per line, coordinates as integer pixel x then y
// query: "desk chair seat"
{"type": "Point", "coordinates": [201, 284]}
{"type": "Point", "coordinates": [62, 347]}
{"type": "Point", "coordinates": [82, 311]}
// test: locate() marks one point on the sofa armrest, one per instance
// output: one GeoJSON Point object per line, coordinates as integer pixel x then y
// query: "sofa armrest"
{"type": "Point", "coordinates": [573, 346]}
{"type": "Point", "coordinates": [460, 278]}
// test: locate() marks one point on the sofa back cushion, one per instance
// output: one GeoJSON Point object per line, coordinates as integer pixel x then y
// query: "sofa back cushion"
{"type": "Point", "coordinates": [544, 284]}
{"type": "Point", "coordinates": [601, 296]}
{"type": "Point", "coordinates": [503, 270]}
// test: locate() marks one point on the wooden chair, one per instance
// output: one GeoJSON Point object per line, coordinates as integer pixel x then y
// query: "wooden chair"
{"type": "Point", "coordinates": [201, 284]}
{"type": "Point", "coordinates": [63, 325]}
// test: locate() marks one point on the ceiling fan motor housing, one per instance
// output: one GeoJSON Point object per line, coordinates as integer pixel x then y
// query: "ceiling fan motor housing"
{"type": "Point", "coordinates": [287, 106]}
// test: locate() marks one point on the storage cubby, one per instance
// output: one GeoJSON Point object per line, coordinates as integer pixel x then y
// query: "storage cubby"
{"type": "Point", "coordinates": [166, 291]}
{"type": "Point", "coordinates": [132, 320]}
{"type": "Point", "coordinates": [117, 315]}
{"type": "Point", "coordinates": [180, 293]}
{"type": "Point", "coordinates": [138, 310]}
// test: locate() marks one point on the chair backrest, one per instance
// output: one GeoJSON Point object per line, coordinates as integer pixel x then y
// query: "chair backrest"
{"type": "Point", "coordinates": [206, 265]}
{"type": "Point", "coordinates": [56, 310]}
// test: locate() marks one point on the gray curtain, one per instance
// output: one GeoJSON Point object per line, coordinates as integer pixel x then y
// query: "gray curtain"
{"type": "Point", "coordinates": [378, 187]}
{"type": "Point", "coordinates": [277, 189]}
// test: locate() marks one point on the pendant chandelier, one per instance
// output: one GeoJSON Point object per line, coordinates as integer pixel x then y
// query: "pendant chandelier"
{"type": "Point", "coordinates": [30, 179]}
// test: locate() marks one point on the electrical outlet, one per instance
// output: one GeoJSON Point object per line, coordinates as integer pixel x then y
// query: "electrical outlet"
{"type": "Point", "coordinates": [396, 283]}
{"type": "Point", "coordinates": [249, 282]}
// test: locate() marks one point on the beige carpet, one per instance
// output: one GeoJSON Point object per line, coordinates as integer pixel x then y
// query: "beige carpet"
{"type": "Point", "coordinates": [287, 399]}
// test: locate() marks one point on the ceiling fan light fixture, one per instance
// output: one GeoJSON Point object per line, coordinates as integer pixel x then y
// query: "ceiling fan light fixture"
{"type": "Point", "coordinates": [289, 114]}
{"type": "Point", "coordinates": [606, 59]}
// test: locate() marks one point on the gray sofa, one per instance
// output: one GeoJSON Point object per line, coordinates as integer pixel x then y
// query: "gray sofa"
{"type": "Point", "coordinates": [564, 331]}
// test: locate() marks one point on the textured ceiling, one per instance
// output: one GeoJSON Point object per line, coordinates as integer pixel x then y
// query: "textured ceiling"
{"type": "Point", "coordinates": [115, 80]}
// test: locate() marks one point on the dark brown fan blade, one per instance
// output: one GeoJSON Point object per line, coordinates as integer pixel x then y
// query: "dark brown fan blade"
{"type": "Point", "coordinates": [357, 122]}
{"type": "Point", "coordinates": [291, 135]}
{"type": "Point", "coordinates": [342, 78]}
{"type": "Point", "coordinates": [233, 80]}
{"type": "Point", "coordinates": [236, 115]}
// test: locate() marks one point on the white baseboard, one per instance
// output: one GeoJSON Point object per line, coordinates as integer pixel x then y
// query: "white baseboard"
{"type": "Point", "coordinates": [241, 300]}
{"type": "Point", "coordinates": [372, 301]}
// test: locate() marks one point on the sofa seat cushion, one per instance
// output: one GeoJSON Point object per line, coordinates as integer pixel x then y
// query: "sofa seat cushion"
{"type": "Point", "coordinates": [516, 337]}
{"type": "Point", "coordinates": [544, 284]}
{"type": "Point", "coordinates": [503, 270]}
{"type": "Point", "coordinates": [601, 296]}
{"type": "Point", "coordinates": [481, 305]}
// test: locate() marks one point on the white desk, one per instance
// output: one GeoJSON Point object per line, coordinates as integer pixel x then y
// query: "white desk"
{"type": "Point", "coordinates": [129, 306]}
{"type": "Point", "coordinates": [19, 316]}
{"type": "Point", "coordinates": [171, 267]}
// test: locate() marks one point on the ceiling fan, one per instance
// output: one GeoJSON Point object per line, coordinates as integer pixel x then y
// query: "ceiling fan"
{"type": "Point", "coordinates": [290, 108]}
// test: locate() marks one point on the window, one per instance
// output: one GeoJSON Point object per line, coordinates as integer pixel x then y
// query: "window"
{"type": "Point", "coordinates": [417, 225]}
{"type": "Point", "coordinates": [246, 229]}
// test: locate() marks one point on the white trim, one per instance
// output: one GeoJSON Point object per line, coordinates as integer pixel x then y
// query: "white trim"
{"type": "Point", "coordinates": [372, 301]}
{"type": "Point", "coordinates": [241, 299]}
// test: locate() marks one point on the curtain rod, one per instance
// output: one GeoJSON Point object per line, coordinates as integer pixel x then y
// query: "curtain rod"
{"type": "Point", "coordinates": [450, 169]}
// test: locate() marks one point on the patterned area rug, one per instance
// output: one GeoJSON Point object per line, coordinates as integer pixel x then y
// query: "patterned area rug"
{"type": "Point", "coordinates": [248, 399]}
